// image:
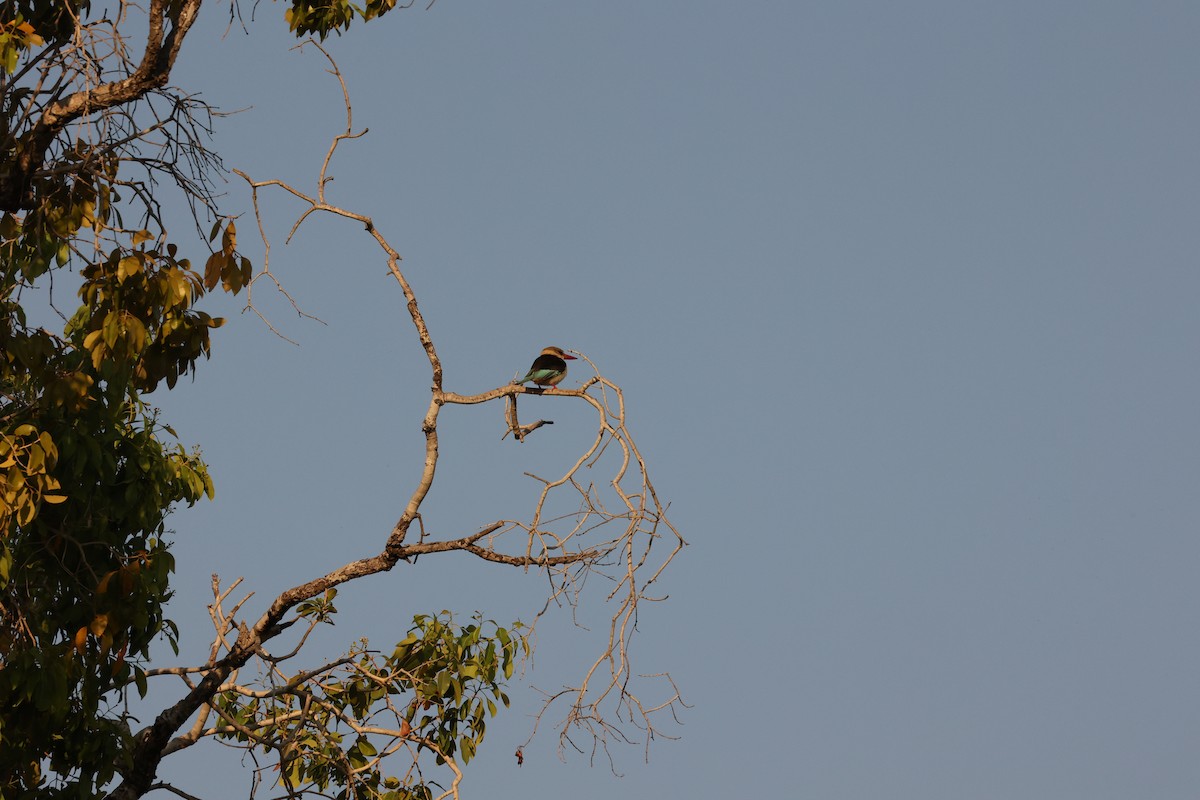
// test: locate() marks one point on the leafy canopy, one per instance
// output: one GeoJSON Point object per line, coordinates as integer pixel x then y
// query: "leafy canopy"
{"type": "Point", "coordinates": [90, 474]}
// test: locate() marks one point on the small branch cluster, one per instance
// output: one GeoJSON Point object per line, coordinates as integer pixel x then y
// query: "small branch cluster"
{"type": "Point", "coordinates": [83, 105]}
{"type": "Point", "coordinates": [614, 533]}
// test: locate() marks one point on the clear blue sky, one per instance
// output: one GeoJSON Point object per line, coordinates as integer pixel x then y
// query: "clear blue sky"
{"type": "Point", "coordinates": [903, 297]}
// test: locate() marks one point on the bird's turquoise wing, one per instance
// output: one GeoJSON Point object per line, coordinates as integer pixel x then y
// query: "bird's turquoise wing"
{"type": "Point", "coordinates": [540, 375]}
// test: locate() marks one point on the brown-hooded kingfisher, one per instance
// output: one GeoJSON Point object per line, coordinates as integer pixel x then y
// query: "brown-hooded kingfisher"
{"type": "Point", "coordinates": [549, 368]}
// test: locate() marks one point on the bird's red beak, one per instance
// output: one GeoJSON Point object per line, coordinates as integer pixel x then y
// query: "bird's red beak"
{"type": "Point", "coordinates": [568, 358]}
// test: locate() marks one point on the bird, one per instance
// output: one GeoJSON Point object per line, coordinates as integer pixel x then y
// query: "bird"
{"type": "Point", "coordinates": [549, 368]}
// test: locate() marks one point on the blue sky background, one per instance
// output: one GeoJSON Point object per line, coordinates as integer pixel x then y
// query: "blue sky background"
{"type": "Point", "coordinates": [903, 298]}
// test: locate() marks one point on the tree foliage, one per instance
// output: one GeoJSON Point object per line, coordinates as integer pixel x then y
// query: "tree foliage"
{"type": "Point", "coordinates": [90, 471]}
{"type": "Point", "coordinates": [93, 145]}
{"type": "Point", "coordinates": [434, 692]}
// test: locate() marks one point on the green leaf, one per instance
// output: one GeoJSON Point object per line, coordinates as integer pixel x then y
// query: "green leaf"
{"type": "Point", "coordinates": [468, 749]}
{"type": "Point", "coordinates": [111, 328]}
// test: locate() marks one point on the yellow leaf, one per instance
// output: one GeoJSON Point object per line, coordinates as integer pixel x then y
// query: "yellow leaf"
{"type": "Point", "coordinates": [31, 38]}
{"type": "Point", "coordinates": [112, 328]}
{"type": "Point", "coordinates": [129, 265]}
{"type": "Point", "coordinates": [179, 286]}
{"type": "Point", "coordinates": [229, 239]}
{"type": "Point", "coordinates": [36, 461]}
{"type": "Point", "coordinates": [15, 480]}
{"type": "Point", "coordinates": [212, 270]}
{"type": "Point", "coordinates": [80, 639]}
{"type": "Point", "coordinates": [54, 499]}
{"type": "Point", "coordinates": [98, 624]}
{"type": "Point", "coordinates": [88, 209]}
{"type": "Point", "coordinates": [141, 236]}
{"type": "Point", "coordinates": [135, 334]}
{"type": "Point", "coordinates": [47, 443]}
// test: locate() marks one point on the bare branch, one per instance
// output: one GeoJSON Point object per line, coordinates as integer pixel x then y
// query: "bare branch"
{"type": "Point", "coordinates": [173, 790]}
